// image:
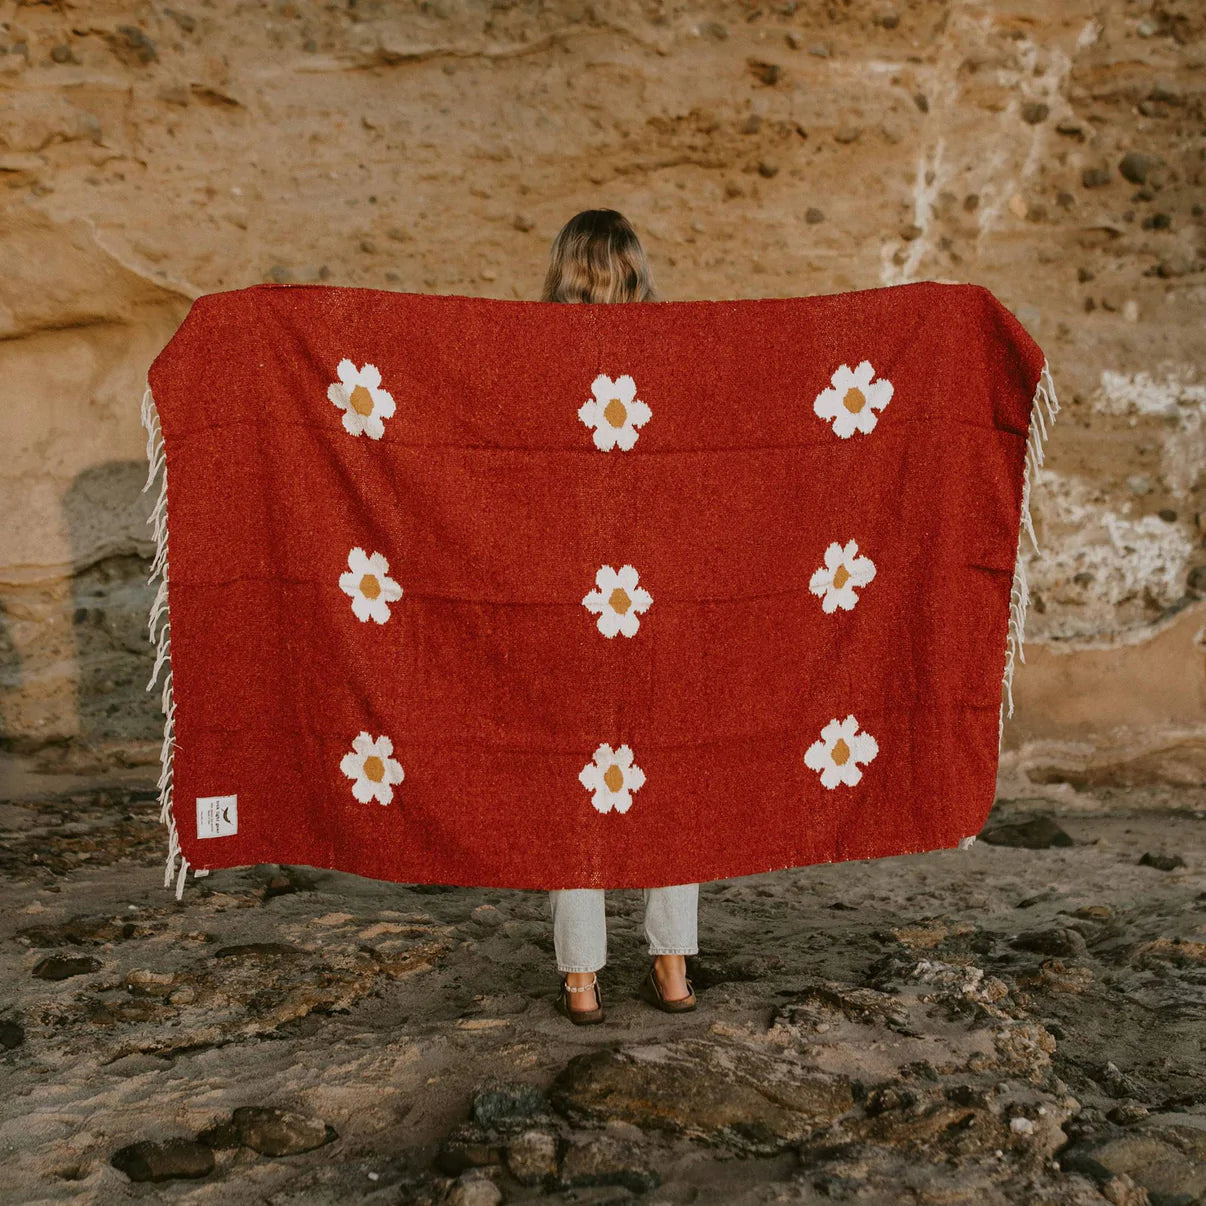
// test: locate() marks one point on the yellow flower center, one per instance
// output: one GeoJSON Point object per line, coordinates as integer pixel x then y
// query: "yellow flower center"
{"type": "Point", "coordinates": [361, 401]}
{"type": "Point", "coordinates": [619, 600]}
{"type": "Point", "coordinates": [374, 768]}
{"type": "Point", "coordinates": [840, 752]}
{"type": "Point", "coordinates": [370, 588]}
{"type": "Point", "coordinates": [613, 777]}
{"type": "Point", "coordinates": [854, 400]}
{"type": "Point", "coordinates": [840, 576]}
{"type": "Point", "coordinates": [615, 412]}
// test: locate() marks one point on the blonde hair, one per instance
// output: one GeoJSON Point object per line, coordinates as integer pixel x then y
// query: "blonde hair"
{"type": "Point", "coordinates": [597, 257]}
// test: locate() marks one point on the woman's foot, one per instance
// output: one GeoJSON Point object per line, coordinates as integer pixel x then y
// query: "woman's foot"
{"type": "Point", "coordinates": [671, 973]}
{"type": "Point", "coordinates": [581, 1002]}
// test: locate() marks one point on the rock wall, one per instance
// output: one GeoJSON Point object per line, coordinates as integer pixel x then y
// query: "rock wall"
{"type": "Point", "coordinates": [1053, 152]}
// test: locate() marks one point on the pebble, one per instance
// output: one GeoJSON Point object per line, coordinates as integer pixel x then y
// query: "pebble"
{"type": "Point", "coordinates": [602, 1159]}
{"type": "Point", "coordinates": [812, 215]}
{"type": "Point", "coordinates": [143, 982]}
{"type": "Point", "coordinates": [502, 1103]}
{"type": "Point", "coordinates": [1162, 862]}
{"type": "Point", "coordinates": [256, 950]}
{"type": "Point", "coordinates": [473, 1189]}
{"type": "Point", "coordinates": [164, 1161]}
{"type": "Point", "coordinates": [1029, 833]}
{"type": "Point", "coordinates": [1059, 940]}
{"type": "Point", "coordinates": [1035, 112]}
{"type": "Point", "coordinates": [1096, 177]}
{"type": "Point", "coordinates": [532, 1157]}
{"type": "Point", "coordinates": [274, 1132]}
{"type": "Point", "coordinates": [63, 967]}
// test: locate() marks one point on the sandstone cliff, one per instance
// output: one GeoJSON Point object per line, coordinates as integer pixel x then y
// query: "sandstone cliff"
{"type": "Point", "coordinates": [1053, 152]}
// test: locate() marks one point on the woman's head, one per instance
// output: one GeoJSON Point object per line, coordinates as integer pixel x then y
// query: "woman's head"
{"type": "Point", "coordinates": [597, 257]}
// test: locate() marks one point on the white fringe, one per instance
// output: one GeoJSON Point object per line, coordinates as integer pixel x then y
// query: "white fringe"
{"type": "Point", "coordinates": [160, 637]}
{"type": "Point", "coordinates": [1019, 592]}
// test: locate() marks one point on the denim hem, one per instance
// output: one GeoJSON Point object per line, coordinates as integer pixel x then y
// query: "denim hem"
{"type": "Point", "coordinates": [581, 969]}
{"type": "Point", "coordinates": [674, 950]}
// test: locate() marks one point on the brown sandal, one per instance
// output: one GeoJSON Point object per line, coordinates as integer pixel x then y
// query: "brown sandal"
{"type": "Point", "coordinates": [580, 1017]}
{"type": "Point", "coordinates": [651, 991]}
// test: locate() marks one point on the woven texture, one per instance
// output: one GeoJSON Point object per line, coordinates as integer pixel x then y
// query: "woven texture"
{"type": "Point", "coordinates": [518, 594]}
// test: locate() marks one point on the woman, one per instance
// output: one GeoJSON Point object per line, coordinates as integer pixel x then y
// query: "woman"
{"type": "Point", "coordinates": [597, 257]}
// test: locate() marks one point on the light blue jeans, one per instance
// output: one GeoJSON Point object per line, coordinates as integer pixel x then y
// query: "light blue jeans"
{"type": "Point", "coordinates": [580, 929]}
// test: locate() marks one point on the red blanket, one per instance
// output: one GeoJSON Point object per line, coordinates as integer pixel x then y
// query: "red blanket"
{"type": "Point", "coordinates": [518, 594]}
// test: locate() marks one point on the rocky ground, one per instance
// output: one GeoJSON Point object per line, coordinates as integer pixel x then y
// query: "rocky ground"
{"type": "Point", "coordinates": [1014, 1023]}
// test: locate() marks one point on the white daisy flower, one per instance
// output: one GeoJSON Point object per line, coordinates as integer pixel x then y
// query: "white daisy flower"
{"type": "Point", "coordinates": [372, 771]}
{"type": "Point", "coordinates": [618, 600]}
{"type": "Point", "coordinates": [840, 747]}
{"type": "Point", "coordinates": [842, 572]}
{"type": "Point", "coordinates": [615, 412]}
{"type": "Point", "coordinates": [611, 776]}
{"type": "Point", "coordinates": [359, 395]}
{"type": "Point", "coordinates": [852, 399]}
{"type": "Point", "coordinates": [367, 581]}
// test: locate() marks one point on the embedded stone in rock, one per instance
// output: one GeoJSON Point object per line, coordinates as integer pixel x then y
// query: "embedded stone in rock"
{"type": "Point", "coordinates": [12, 1034]}
{"type": "Point", "coordinates": [1029, 833]}
{"type": "Point", "coordinates": [61, 967]}
{"type": "Point", "coordinates": [149, 1161]}
{"type": "Point", "coordinates": [750, 1100]}
{"type": "Point", "coordinates": [602, 1159]}
{"type": "Point", "coordinates": [273, 1132]}
{"type": "Point", "coordinates": [532, 1157]}
{"type": "Point", "coordinates": [767, 73]}
{"type": "Point", "coordinates": [1134, 166]}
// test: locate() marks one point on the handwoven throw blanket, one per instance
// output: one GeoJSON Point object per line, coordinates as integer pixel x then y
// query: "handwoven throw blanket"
{"type": "Point", "coordinates": [534, 595]}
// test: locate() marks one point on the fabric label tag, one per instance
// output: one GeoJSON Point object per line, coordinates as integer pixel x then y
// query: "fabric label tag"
{"type": "Point", "coordinates": [217, 816]}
